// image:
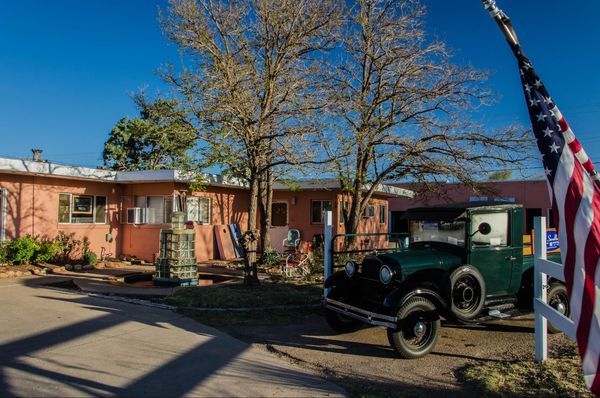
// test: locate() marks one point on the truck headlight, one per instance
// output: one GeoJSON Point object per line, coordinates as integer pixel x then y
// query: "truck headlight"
{"type": "Point", "coordinates": [350, 268]}
{"type": "Point", "coordinates": [385, 274]}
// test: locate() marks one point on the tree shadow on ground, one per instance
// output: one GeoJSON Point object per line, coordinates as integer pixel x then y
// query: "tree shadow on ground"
{"type": "Point", "coordinates": [183, 370]}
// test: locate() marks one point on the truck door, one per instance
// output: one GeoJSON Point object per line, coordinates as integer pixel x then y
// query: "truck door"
{"type": "Point", "coordinates": [492, 253]}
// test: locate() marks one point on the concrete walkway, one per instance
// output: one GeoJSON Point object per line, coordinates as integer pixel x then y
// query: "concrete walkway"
{"type": "Point", "coordinates": [57, 343]}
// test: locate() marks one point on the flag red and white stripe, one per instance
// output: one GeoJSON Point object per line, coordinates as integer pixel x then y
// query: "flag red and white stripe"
{"type": "Point", "coordinates": [575, 191]}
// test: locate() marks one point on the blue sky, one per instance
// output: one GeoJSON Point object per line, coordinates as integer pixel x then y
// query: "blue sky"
{"type": "Point", "coordinates": [67, 67]}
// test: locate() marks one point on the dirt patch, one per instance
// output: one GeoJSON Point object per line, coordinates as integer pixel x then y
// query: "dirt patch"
{"type": "Point", "coordinates": [17, 271]}
{"type": "Point", "coordinates": [364, 363]}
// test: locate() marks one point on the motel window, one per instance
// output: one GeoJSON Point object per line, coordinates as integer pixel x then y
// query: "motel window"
{"type": "Point", "coordinates": [81, 209]}
{"type": "Point", "coordinates": [159, 209]}
{"type": "Point", "coordinates": [169, 203]}
{"type": "Point", "coordinates": [198, 209]}
{"type": "Point", "coordinates": [382, 214]}
{"type": "Point", "coordinates": [317, 209]}
{"type": "Point", "coordinates": [369, 211]}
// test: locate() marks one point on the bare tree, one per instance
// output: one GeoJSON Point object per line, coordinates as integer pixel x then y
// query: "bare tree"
{"type": "Point", "coordinates": [249, 83]}
{"type": "Point", "coordinates": [403, 106]}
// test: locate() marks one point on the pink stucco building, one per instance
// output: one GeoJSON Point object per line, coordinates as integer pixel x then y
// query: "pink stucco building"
{"type": "Point", "coordinates": [532, 194]}
{"type": "Point", "coordinates": [122, 212]}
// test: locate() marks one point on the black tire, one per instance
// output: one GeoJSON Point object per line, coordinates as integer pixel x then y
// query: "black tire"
{"type": "Point", "coordinates": [418, 328]}
{"type": "Point", "coordinates": [466, 292]}
{"type": "Point", "coordinates": [339, 322]}
{"type": "Point", "coordinates": [558, 298]}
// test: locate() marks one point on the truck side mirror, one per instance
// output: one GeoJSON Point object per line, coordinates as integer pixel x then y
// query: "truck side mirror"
{"type": "Point", "coordinates": [484, 228]}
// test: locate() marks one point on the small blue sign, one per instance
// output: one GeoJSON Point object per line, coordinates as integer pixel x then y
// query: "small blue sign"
{"type": "Point", "coordinates": [552, 241]}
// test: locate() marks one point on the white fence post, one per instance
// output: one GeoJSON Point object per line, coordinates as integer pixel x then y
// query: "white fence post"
{"type": "Point", "coordinates": [539, 289]}
{"type": "Point", "coordinates": [327, 249]}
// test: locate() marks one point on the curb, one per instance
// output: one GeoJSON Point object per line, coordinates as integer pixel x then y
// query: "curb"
{"type": "Point", "coordinates": [204, 309]}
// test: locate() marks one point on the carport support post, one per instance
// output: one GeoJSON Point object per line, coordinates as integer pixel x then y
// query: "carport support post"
{"type": "Point", "coordinates": [327, 249]}
{"type": "Point", "coordinates": [539, 289]}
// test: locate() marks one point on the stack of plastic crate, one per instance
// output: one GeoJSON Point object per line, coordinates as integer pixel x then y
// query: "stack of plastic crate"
{"type": "Point", "coordinates": [176, 264]}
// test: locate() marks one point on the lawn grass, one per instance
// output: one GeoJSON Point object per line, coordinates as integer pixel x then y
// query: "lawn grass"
{"type": "Point", "coordinates": [526, 378]}
{"type": "Point", "coordinates": [302, 298]}
{"type": "Point", "coordinates": [239, 296]}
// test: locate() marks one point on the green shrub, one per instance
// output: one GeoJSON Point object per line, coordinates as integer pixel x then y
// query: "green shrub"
{"type": "Point", "coordinates": [22, 250]}
{"type": "Point", "coordinates": [3, 252]}
{"type": "Point", "coordinates": [90, 258]}
{"type": "Point", "coordinates": [49, 251]}
{"type": "Point", "coordinates": [270, 258]}
{"type": "Point", "coordinates": [68, 244]}
{"type": "Point", "coordinates": [85, 245]}
{"type": "Point", "coordinates": [315, 264]}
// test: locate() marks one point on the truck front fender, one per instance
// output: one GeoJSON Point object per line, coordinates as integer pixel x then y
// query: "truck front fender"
{"type": "Point", "coordinates": [398, 297]}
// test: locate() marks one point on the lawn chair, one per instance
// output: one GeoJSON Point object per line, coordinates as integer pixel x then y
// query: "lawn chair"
{"type": "Point", "coordinates": [291, 243]}
{"type": "Point", "coordinates": [296, 262]}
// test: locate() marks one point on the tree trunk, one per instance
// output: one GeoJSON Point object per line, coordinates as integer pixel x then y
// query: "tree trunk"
{"type": "Point", "coordinates": [266, 210]}
{"type": "Point", "coordinates": [250, 258]}
{"type": "Point", "coordinates": [353, 220]}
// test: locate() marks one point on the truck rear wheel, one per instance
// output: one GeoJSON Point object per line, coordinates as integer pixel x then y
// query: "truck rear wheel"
{"type": "Point", "coordinates": [339, 322]}
{"type": "Point", "coordinates": [418, 328]}
{"type": "Point", "coordinates": [466, 292]}
{"type": "Point", "coordinates": [558, 298]}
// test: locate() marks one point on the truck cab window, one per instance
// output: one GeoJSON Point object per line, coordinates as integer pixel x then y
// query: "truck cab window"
{"type": "Point", "coordinates": [499, 229]}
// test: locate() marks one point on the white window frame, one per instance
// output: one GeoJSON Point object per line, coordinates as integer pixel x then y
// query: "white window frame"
{"type": "Point", "coordinates": [199, 199]}
{"type": "Point", "coordinates": [146, 202]}
{"type": "Point", "coordinates": [383, 210]}
{"type": "Point", "coordinates": [322, 221]}
{"type": "Point", "coordinates": [70, 194]}
{"type": "Point", "coordinates": [369, 211]}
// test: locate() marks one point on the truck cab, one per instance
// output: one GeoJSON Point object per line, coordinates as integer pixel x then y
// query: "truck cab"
{"type": "Point", "coordinates": [464, 262]}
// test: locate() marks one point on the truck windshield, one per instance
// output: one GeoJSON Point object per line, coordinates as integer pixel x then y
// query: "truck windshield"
{"type": "Point", "coordinates": [452, 232]}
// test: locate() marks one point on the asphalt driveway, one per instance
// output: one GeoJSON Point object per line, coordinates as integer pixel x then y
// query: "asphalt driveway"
{"type": "Point", "coordinates": [365, 363]}
{"type": "Point", "coordinates": [58, 343]}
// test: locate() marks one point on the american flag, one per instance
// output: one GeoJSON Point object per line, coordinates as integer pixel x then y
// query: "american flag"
{"type": "Point", "coordinates": [574, 187]}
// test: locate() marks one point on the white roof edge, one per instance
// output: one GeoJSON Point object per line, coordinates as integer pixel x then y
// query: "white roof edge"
{"type": "Point", "coordinates": [49, 169]}
{"type": "Point", "coordinates": [382, 189]}
{"type": "Point", "coordinates": [145, 176]}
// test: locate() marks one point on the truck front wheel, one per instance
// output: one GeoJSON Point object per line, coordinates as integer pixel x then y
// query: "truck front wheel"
{"type": "Point", "coordinates": [418, 328]}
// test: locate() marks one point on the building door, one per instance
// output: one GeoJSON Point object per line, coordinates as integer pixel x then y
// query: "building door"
{"type": "Point", "coordinates": [279, 225]}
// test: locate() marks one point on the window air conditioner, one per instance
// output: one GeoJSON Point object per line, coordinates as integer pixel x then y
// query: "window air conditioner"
{"type": "Point", "coordinates": [136, 215]}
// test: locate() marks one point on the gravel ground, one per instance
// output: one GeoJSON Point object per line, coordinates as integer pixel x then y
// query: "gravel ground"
{"type": "Point", "coordinates": [365, 364]}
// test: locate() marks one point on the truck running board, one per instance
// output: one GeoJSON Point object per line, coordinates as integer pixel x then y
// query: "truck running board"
{"type": "Point", "coordinates": [369, 317]}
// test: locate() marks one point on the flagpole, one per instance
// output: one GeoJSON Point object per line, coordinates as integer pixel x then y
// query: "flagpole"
{"type": "Point", "coordinates": [502, 20]}
{"type": "Point", "coordinates": [507, 29]}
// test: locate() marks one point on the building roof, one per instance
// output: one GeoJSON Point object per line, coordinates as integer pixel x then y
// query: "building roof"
{"type": "Point", "coordinates": [333, 184]}
{"type": "Point", "coordinates": [45, 168]}
{"type": "Point", "coordinates": [51, 169]}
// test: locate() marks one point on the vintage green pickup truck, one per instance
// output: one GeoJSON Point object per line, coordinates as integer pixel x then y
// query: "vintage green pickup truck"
{"type": "Point", "coordinates": [464, 262]}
